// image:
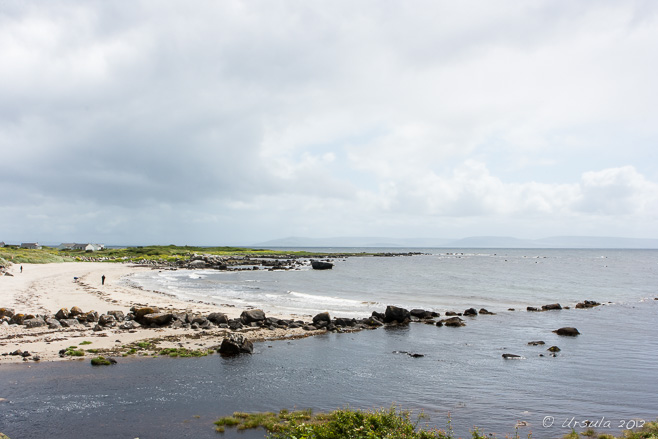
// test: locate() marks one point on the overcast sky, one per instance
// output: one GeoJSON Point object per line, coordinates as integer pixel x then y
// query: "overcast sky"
{"type": "Point", "coordinates": [234, 122]}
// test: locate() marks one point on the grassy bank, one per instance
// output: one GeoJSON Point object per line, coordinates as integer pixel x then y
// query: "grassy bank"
{"type": "Point", "coordinates": [384, 423]}
{"type": "Point", "coordinates": [164, 253]}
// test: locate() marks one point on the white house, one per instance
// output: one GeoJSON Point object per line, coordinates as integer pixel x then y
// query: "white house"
{"type": "Point", "coordinates": [86, 247]}
{"type": "Point", "coordinates": [31, 245]}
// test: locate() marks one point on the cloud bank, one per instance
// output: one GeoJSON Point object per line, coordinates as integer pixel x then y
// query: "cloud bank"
{"type": "Point", "coordinates": [237, 122]}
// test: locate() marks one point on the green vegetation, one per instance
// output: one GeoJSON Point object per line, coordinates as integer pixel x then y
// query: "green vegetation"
{"type": "Point", "coordinates": [73, 351]}
{"type": "Point", "coordinates": [384, 423]}
{"type": "Point", "coordinates": [161, 253]}
{"type": "Point", "coordinates": [85, 343]}
{"type": "Point", "coordinates": [93, 351]}
{"type": "Point", "coordinates": [17, 255]}
{"type": "Point", "coordinates": [182, 352]}
{"type": "Point", "coordinates": [100, 361]}
{"type": "Point", "coordinates": [648, 431]}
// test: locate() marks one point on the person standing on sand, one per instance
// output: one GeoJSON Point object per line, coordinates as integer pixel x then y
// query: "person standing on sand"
{"type": "Point", "coordinates": [21, 268]}
{"type": "Point", "coordinates": [103, 280]}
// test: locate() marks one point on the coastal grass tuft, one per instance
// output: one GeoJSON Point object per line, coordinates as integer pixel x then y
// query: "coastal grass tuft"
{"type": "Point", "coordinates": [183, 352]}
{"type": "Point", "coordinates": [73, 351]}
{"type": "Point", "coordinates": [100, 361]}
{"type": "Point", "coordinates": [85, 343]}
{"type": "Point", "coordinates": [648, 431]}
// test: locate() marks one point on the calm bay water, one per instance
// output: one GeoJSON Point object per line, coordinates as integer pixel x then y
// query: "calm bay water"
{"type": "Point", "coordinates": [607, 372]}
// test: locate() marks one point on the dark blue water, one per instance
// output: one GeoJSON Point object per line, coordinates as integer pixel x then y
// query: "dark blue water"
{"type": "Point", "coordinates": [609, 371]}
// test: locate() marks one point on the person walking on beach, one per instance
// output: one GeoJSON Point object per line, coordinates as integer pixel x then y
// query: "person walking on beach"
{"type": "Point", "coordinates": [103, 280]}
{"type": "Point", "coordinates": [21, 268]}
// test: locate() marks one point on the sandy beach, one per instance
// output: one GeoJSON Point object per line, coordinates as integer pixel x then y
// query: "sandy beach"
{"type": "Point", "coordinates": [43, 289]}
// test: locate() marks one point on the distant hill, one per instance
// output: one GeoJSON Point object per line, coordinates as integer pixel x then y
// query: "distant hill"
{"type": "Point", "coordinates": [470, 242]}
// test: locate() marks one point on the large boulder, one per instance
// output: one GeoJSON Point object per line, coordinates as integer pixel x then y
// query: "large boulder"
{"type": "Point", "coordinates": [322, 317]}
{"type": "Point", "coordinates": [107, 320]}
{"type": "Point", "coordinates": [7, 312]}
{"type": "Point", "coordinates": [218, 318]}
{"type": "Point", "coordinates": [197, 264]}
{"type": "Point", "coordinates": [342, 321]}
{"type": "Point", "coordinates": [75, 311]}
{"type": "Point", "coordinates": [90, 317]}
{"type": "Point", "coordinates": [423, 314]}
{"type": "Point", "coordinates": [568, 332]}
{"type": "Point", "coordinates": [62, 314]}
{"type": "Point", "coordinates": [551, 307]}
{"type": "Point", "coordinates": [471, 312]}
{"type": "Point", "coordinates": [118, 315]}
{"type": "Point", "coordinates": [69, 323]}
{"type": "Point", "coordinates": [53, 323]}
{"type": "Point", "coordinates": [235, 344]}
{"type": "Point", "coordinates": [396, 314]}
{"type": "Point", "coordinates": [159, 319]}
{"type": "Point", "coordinates": [252, 316]}
{"type": "Point", "coordinates": [17, 319]}
{"type": "Point", "coordinates": [141, 312]}
{"type": "Point", "coordinates": [34, 323]}
{"type": "Point", "coordinates": [129, 324]}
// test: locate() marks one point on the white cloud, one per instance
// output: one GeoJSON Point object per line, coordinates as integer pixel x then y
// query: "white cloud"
{"type": "Point", "coordinates": [339, 117]}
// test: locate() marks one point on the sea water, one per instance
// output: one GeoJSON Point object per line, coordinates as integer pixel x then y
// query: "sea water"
{"type": "Point", "coordinates": [606, 375]}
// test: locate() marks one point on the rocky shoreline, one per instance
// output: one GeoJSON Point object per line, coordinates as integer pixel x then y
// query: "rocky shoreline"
{"type": "Point", "coordinates": [194, 333]}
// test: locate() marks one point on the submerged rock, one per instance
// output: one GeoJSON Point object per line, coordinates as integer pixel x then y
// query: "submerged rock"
{"type": "Point", "coordinates": [512, 357]}
{"type": "Point", "coordinates": [567, 331]}
{"type": "Point", "coordinates": [551, 307]}
{"type": "Point", "coordinates": [588, 304]}
{"type": "Point", "coordinates": [536, 343]}
{"type": "Point", "coordinates": [487, 312]}
{"type": "Point", "coordinates": [471, 312]}
{"type": "Point", "coordinates": [452, 321]}
{"type": "Point", "coordinates": [553, 349]}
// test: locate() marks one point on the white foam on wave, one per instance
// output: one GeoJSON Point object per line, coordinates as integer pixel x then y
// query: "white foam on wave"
{"type": "Point", "coordinates": [325, 299]}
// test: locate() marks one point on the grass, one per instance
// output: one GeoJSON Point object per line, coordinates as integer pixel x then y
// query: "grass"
{"type": "Point", "coordinates": [85, 343]}
{"type": "Point", "coordinates": [73, 351]}
{"type": "Point", "coordinates": [648, 431]}
{"type": "Point", "coordinates": [161, 253]}
{"type": "Point", "coordinates": [183, 352]}
{"type": "Point", "coordinates": [384, 423]}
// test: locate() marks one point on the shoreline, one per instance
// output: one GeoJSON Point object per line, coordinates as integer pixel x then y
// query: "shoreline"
{"type": "Point", "coordinates": [43, 289]}
{"type": "Point", "coordinates": [96, 289]}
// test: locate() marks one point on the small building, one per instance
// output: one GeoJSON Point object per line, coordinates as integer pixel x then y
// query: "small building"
{"type": "Point", "coordinates": [2, 243]}
{"type": "Point", "coordinates": [66, 246]}
{"type": "Point", "coordinates": [87, 247]}
{"type": "Point", "coordinates": [31, 245]}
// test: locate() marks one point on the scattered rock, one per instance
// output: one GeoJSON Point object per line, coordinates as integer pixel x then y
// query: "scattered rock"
{"type": "Point", "coordinates": [551, 307]}
{"type": "Point", "coordinates": [450, 313]}
{"type": "Point", "coordinates": [512, 357]}
{"type": "Point", "coordinates": [487, 312]}
{"type": "Point", "coordinates": [536, 343]}
{"type": "Point", "coordinates": [158, 319]}
{"type": "Point", "coordinates": [34, 323]}
{"type": "Point", "coordinates": [532, 308]}
{"type": "Point", "coordinates": [252, 316]}
{"type": "Point", "coordinates": [321, 265]}
{"type": "Point", "coordinates": [322, 317]}
{"type": "Point", "coordinates": [69, 323]}
{"type": "Point", "coordinates": [129, 324]}
{"type": "Point", "coordinates": [62, 314]}
{"type": "Point", "coordinates": [107, 320]}
{"type": "Point", "coordinates": [396, 314]}
{"type": "Point", "coordinates": [235, 344]}
{"type": "Point", "coordinates": [554, 349]}
{"type": "Point", "coordinates": [471, 312]}
{"type": "Point", "coordinates": [567, 331]}
{"type": "Point", "coordinates": [75, 311]}
{"type": "Point", "coordinates": [452, 321]}
{"type": "Point", "coordinates": [7, 312]}
{"type": "Point", "coordinates": [119, 316]}
{"type": "Point", "coordinates": [588, 304]}
{"type": "Point", "coordinates": [141, 312]}
{"type": "Point", "coordinates": [218, 318]}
